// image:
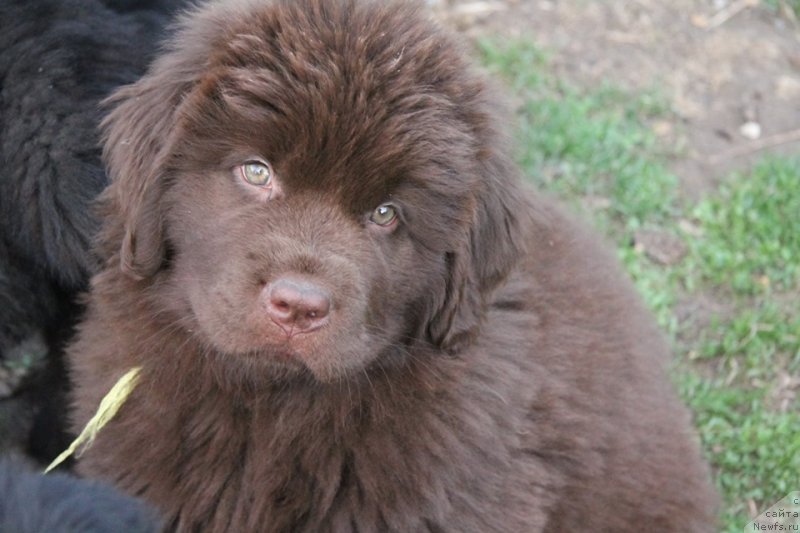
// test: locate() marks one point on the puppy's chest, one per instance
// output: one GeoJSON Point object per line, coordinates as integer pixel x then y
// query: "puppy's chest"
{"type": "Point", "coordinates": [287, 469]}
{"type": "Point", "coordinates": [303, 468]}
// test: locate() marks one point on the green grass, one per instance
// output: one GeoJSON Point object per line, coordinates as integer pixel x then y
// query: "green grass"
{"type": "Point", "coordinates": [755, 449]}
{"type": "Point", "coordinates": [792, 5]}
{"type": "Point", "coordinates": [586, 144]}
{"type": "Point", "coordinates": [743, 254]}
{"type": "Point", "coordinates": [751, 230]}
{"type": "Point", "coordinates": [748, 413]}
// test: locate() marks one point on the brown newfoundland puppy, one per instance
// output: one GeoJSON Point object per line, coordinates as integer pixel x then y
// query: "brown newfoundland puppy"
{"type": "Point", "coordinates": [349, 314]}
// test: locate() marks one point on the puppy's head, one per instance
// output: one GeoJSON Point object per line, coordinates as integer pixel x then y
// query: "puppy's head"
{"type": "Point", "coordinates": [313, 185]}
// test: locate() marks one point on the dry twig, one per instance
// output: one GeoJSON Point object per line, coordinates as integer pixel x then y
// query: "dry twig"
{"type": "Point", "coordinates": [723, 15]}
{"type": "Point", "coordinates": [756, 146]}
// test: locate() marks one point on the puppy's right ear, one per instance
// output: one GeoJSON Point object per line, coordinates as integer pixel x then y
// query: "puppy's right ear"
{"type": "Point", "coordinates": [137, 136]}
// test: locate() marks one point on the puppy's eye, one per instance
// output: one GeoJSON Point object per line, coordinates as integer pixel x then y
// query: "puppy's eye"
{"type": "Point", "coordinates": [384, 215]}
{"type": "Point", "coordinates": [256, 173]}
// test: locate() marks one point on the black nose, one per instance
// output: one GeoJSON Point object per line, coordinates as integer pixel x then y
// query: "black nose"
{"type": "Point", "coordinates": [297, 306]}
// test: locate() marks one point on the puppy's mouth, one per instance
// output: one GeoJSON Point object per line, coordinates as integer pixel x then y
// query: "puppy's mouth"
{"type": "Point", "coordinates": [292, 331]}
{"type": "Point", "coordinates": [279, 352]}
{"type": "Point", "coordinates": [289, 354]}
{"type": "Point", "coordinates": [269, 361]}
{"type": "Point", "coordinates": [284, 354]}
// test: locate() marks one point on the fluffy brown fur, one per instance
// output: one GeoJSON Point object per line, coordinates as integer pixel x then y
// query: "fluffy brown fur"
{"type": "Point", "coordinates": [484, 366]}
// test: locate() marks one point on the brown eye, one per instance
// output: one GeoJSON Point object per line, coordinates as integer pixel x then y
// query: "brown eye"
{"type": "Point", "coordinates": [384, 215]}
{"type": "Point", "coordinates": [256, 173]}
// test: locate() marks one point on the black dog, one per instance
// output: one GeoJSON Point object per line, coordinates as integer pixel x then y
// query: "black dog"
{"type": "Point", "coordinates": [58, 503]}
{"type": "Point", "coordinates": [58, 60]}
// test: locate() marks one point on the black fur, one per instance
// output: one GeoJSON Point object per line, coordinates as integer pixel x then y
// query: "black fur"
{"type": "Point", "coordinates": [58, 60]}
{"type": "Point", "coordinates": [58, 503]}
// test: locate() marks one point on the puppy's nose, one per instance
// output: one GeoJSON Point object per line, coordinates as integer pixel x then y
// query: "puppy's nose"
{"type": "Point", "coordinates": [297, 306]}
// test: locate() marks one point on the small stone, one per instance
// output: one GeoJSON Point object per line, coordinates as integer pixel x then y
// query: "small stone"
{"type": "Point", "coordinates": [750, 130]}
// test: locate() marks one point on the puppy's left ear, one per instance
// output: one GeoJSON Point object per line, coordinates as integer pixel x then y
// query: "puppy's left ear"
{"type": "Point", "coordinates": [138, 134]}
{"type": "Point", "coordinates": [491, 247]}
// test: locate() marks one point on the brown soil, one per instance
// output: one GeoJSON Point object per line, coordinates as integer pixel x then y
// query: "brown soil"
{"type": "Point", "coordinates": [721, 63]}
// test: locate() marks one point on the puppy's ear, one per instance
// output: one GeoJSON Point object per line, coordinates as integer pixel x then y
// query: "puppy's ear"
{"type": "Point", "coordinates": [492, 245]}
{"type": "Point", "coordinates": [137, 137]}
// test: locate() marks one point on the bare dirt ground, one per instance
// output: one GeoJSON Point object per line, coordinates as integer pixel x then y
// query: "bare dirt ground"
{"type": "Point", "coordinates": [730, 68]}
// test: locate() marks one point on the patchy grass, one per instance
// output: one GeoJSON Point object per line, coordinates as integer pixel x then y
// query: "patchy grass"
{"type": "Point", "coordinates": [751, 230]}
{"type": "Point", "coordinates": [586, 145]}
{"type": "Point", "coordinates": [595, 150]}
{"type": "Point", "coordinates": [754, 447]}
{"type": "Point", "coordinates": [748, 412]}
